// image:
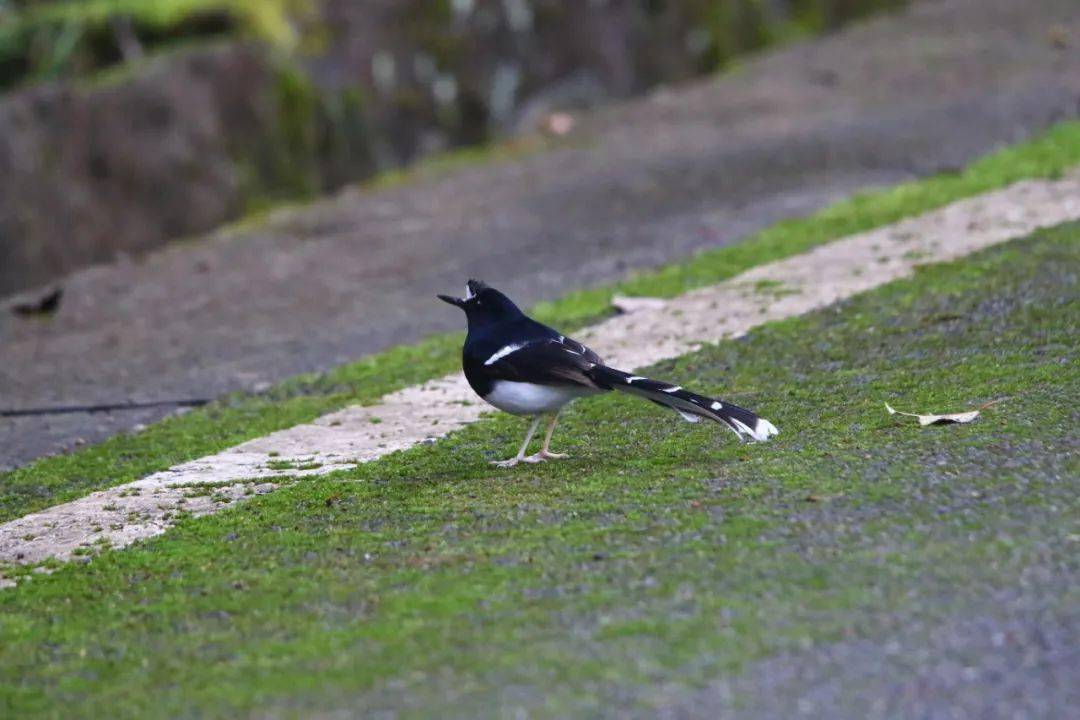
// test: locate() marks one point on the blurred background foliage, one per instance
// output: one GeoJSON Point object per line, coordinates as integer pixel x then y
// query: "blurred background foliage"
{"type": "Point", "coordinates": [128, 123]}
{"type": "Point", "coordinates": [49, 39]}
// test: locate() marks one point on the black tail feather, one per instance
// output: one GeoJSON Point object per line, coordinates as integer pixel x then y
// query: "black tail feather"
{"type": "Point", "coordinates": [690, 405]}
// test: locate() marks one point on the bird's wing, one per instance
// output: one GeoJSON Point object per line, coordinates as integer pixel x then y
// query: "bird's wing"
{"type": "Point", "coordinates": [577, 348]}
{"type": "Point", "coordinates": [545, 361]}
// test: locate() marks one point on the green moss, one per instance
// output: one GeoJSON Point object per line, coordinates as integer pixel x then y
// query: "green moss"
{"type": "Point", "coordinates": [116, 75]}
{"type": "Point", "coordinates": [663, 554]}
{"type": "Point", "coordinates": [296, 100]}
{"type": "Point", "coordinates": [267, 19]}
{"type": "Point", "coordinates": [283, 164]}
{"type": "Point", "coordinates": [740, 27]}
{"type": "Point", "coordinates": [240, 417]}
{"type": "Point", "coordinates": [317, 138]}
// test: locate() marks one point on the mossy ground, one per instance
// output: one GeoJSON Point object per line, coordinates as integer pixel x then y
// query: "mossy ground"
{"type": "Point", "coordinates": [240, 417]}
{"type": "Point", "coordinates": [661, 555]}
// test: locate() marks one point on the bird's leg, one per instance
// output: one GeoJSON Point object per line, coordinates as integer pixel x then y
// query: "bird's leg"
{"type": "Point", "coordinates": [524, 446]}
{"type": "Point", "coordinates": [545, 453]}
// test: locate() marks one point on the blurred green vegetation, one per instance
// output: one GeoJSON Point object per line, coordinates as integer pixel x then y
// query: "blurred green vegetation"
{"type": "Point", "coordinates": [736, 27]}
{"type": "Point", "coordinates": [48, 39]}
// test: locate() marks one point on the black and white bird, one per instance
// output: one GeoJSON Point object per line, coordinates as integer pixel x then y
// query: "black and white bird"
{"type": "Point", "coordinates": [524, 367]}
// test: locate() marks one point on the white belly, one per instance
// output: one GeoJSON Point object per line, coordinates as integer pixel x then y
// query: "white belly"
{"type": "Point", "coordinates": [520, 398]}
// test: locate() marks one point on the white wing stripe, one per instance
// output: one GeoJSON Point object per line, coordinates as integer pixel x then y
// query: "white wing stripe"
{"type": "Point", "coordinates": [503, 352]}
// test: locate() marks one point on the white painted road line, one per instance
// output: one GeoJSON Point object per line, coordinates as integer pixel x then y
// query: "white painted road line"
{"type": "Point", "coordinates": [656, 331]}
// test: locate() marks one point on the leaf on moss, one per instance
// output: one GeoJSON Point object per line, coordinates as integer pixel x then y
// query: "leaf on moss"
{"type": "Point", "coordinates": [948, 419]}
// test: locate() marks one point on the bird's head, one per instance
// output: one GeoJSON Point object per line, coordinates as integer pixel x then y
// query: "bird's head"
{"type": "Point", "coordinates": [483, 305]}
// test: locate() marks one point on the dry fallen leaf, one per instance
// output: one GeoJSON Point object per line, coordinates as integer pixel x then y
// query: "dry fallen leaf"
{"type": "Point", "coordinates": [924, 420]}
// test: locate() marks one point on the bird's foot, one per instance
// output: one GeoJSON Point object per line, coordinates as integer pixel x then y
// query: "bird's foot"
{"type": "Point", "coordinates": [532, 459]}
{"type": "Point", "coordinates": [544, 455]}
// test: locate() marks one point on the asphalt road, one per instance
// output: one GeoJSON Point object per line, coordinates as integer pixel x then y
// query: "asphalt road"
{"type": "Point", "coordinates": [643, 183]}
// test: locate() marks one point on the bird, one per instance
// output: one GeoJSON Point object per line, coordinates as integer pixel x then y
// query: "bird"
{"type": "Point", "coordinates": [523, 367]}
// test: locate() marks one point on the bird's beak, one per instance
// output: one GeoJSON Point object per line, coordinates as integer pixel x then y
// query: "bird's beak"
{"type": "Point", "coordinates": [452, 300]}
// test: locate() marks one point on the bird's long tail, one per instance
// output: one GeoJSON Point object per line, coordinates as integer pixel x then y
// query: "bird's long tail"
{"type": "Point", "coordinates": [690, 405]}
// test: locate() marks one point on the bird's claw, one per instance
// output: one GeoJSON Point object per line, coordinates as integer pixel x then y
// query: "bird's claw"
{"type": "Point", "coordinates": [544, 455]}
{"type": "Point", "coordinates": [531, 459]}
